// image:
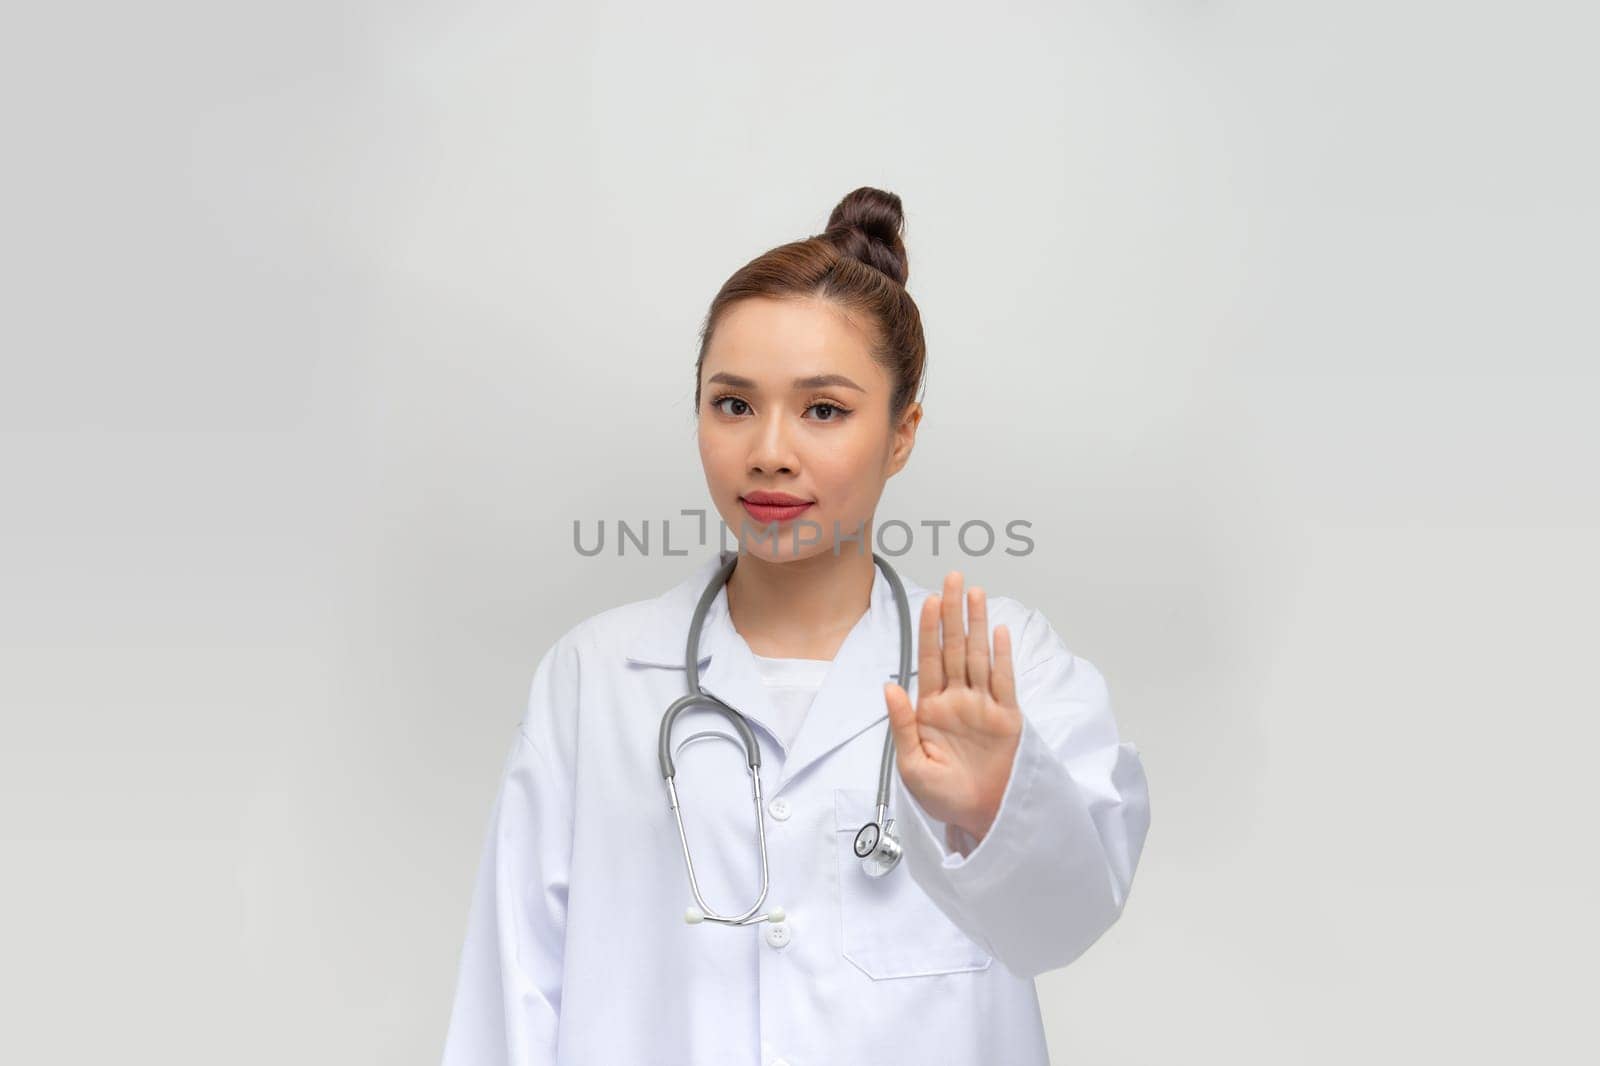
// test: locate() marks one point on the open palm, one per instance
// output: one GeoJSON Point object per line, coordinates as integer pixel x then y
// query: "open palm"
{"type": "Point", "coordinates": [956, 747]}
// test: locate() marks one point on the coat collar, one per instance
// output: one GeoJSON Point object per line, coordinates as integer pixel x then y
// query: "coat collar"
{"type": "Point", "coordinates": [851, 697]}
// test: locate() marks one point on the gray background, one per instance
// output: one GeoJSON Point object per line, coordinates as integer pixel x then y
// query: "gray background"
{"type": "Point", "coordinates": [324, 321]}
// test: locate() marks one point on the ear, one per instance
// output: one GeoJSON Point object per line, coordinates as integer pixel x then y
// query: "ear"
{"type": "Point", "coordinates": [905, 437]}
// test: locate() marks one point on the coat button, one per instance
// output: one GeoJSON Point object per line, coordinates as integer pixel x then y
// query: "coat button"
{"type": "Point", "coordinates": [778, 934]}
{"type": "Point", "coordinates": [779, 808]}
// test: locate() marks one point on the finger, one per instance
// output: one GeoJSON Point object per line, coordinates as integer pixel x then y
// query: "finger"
{"type": "Point", "coordinates": [930, 668]}
{"type": "Point", "coordinates": [977, 639]}
{"type": "Point", "coordinates": [1003, 683]}
{"type": "Point", "coordinates": [955, 637]}
{"type": "Point", "coordinates": [903, 725]}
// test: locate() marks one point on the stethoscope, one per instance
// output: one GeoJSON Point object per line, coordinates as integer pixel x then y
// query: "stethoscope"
{"type": "Point", "coordinates": [875, 844]}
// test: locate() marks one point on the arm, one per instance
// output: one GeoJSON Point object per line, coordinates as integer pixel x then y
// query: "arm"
{"type": "Point", "coordinates": [508, 987]}
{"type": "Point", "coordinates": [1054, 870]}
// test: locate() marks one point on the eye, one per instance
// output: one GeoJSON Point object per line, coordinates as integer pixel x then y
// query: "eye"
{"type": "Point", "coordinates": [828, 410]}
{"type": "Point", "coordinates": [836, 413]}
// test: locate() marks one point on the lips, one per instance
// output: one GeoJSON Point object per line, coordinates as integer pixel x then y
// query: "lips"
{"type": "Point", "coordinates": [774, 499]}
{"type": "Point", "coordinates": [767, 507]}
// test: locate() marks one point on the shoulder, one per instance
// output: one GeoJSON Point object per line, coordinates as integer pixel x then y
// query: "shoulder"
{"type": "Point", "coordinates": [1050, 675]}
{"type": "Point", "coordinates": [606, 633]}
{"type": "Point", "coordinates": [1035, 642]}
{"type": "Point", "coordinates": [569, 673]}
{"type": "Point", "coordinates": [631, 629]}
{"type": "Point", "coordinates": [1043, 662]}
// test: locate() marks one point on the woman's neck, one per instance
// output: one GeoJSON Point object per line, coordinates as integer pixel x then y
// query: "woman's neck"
{"type": "Point", "coordinates": [803, 608]}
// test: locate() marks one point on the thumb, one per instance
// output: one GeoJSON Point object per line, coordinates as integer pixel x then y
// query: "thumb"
{"type": "Point", "coordinates": [903, 724]}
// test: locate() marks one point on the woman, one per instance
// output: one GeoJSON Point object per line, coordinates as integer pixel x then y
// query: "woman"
{"type": "Point", "coordinates": [1020, 813]}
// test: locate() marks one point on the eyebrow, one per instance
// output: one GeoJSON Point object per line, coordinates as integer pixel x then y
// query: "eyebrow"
{"type": "Point", "coordinates": [815, 381]}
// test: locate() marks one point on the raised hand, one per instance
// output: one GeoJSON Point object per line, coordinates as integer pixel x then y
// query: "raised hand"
{"type": "Point", "coordinates": [956, 747]}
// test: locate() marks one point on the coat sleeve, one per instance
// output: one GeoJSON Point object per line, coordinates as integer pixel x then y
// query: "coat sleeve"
{"type": "Point", "coordinates": [1054, 871]}
{"type": "Point", "coordinates": [508, 986]}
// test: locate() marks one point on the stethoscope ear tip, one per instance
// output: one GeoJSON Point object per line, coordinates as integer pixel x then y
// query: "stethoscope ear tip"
{"type": "Point", "coordinates": [694, 915]}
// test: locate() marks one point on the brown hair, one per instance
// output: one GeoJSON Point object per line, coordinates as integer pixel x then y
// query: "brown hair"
{"type": "Point", "coordinates": [859, 263]}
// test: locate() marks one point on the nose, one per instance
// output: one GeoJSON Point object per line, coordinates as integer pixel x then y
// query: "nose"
{"type": "Point", "coordinates": [771, 450]}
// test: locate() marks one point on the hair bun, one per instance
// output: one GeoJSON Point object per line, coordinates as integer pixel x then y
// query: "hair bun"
{"type": "Point", "coordinates": [866, 225]}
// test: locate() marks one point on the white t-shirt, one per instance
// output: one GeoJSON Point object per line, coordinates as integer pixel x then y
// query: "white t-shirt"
{"type": "Point", "coordinates": [793, 684]}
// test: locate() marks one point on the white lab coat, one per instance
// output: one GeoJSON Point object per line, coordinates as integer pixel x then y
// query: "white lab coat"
{"type": "Point", "coordinates": [577, 952]}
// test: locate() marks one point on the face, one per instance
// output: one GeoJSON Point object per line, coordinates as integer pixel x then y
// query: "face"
{"type": "Point", "coordinates": [809, 456]}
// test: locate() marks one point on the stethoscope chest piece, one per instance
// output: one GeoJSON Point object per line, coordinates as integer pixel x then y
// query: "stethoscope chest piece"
{"type": "Point", "coordinates": [879, 852]}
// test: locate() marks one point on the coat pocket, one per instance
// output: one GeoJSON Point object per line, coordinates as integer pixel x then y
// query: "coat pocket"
{"type": "Point", "coordinates": [890, 926]}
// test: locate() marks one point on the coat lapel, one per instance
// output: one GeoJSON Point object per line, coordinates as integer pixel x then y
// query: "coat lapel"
{"type": "Point", "coordinates": [851, 697]}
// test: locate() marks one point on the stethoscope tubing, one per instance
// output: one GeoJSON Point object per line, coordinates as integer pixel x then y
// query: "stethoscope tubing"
{"type": "Point", "coordinates": [695, 697]}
